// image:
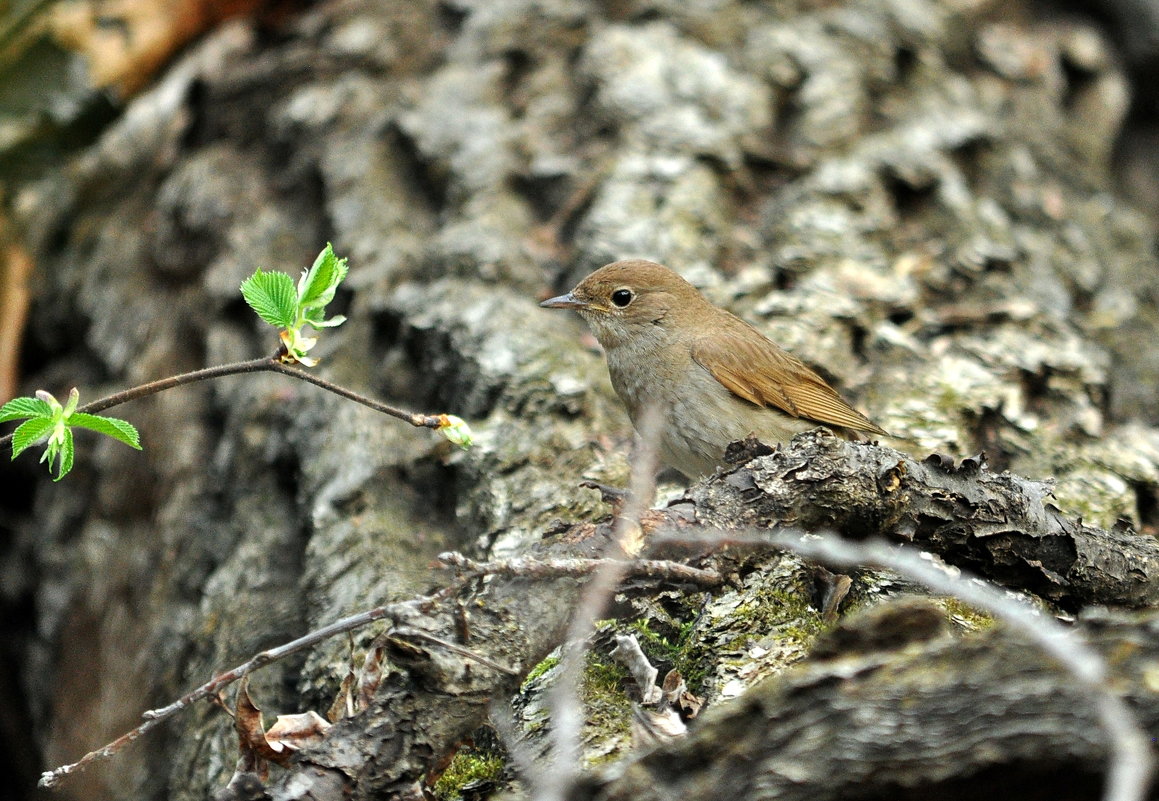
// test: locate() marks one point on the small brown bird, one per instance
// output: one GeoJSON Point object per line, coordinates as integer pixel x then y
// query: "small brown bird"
{"type": "Point", "coordinates": [712, 377]}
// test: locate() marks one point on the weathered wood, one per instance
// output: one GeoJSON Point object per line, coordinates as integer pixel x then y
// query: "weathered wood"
{"type": "Point", "coordinates": [905, 718]}
{"type": "Point", "coordinates": [432, 698]}
{"type": "Point", "coordinates": [942, 717]}
{"type": "Point", "coordinates": [998, 525]}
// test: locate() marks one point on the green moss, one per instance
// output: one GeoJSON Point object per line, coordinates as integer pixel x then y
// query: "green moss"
{"type": "Point", "coordinates": [965, 617]}
{"type": "Point", "coordinates": [468, 765]}
{"type": "Point", "coordinates": [770, 610]}
{"type": "Point", "coordinates": [603, 682]}
{"type": "Point", "coordinates": [672, 641]}
{"type": "Point", "coordinates": [659, 647]}
{"type": "Point", "coordinates": [607, 709]}
{"type": "Point", "coordinates": [537, 671]}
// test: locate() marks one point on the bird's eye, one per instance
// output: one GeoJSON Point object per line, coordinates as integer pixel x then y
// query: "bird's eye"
{"type": "Point", "coordinates": [622, 297]}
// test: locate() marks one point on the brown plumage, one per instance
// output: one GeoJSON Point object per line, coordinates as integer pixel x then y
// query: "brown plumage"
{"type": "Point", "coordinates": [782, 381]}
{"type": "Point", "coordinates": [711, 376]}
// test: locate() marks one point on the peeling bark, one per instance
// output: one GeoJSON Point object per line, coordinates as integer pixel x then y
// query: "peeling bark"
{"type": "Point", "coordinates": [942, 718]}
{"type": "Point", "coordinates": [998, 525]}
{"type": "Point", "coordinates": [856, 715]}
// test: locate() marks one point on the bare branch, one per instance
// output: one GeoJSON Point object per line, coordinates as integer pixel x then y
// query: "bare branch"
{"type": "Point", "coordinates": [208, 690]}
{"type": "Point", "coordinates": [457, 649]}
{"type": "Point", "coordinates": [566, 709]}
{"type": "Point", "coordinates": [414, 418]}
{"type": "Point", "coordinates": [531, 567]}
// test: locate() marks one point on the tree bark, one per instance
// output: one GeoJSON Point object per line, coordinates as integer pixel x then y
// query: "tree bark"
{"type": "Point", "coordinates": [931, 718]}
{"type": "Point", "coordinates": [997, 525]}
{"type": "Point", "coordinates": [946, 718]}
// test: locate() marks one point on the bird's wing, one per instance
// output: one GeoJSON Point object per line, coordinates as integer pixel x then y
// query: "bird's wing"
{"type": "Point", "coordinates": [757, 370]}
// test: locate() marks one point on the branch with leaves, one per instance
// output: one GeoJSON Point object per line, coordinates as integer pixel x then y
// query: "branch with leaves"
{"type": "Point", "coordinates": [277, 300]}
{"type": "Point", "coordinates": [50, 422]}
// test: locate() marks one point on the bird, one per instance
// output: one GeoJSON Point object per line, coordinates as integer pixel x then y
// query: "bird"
{"type": "Point", "coordinates": [711, 377]}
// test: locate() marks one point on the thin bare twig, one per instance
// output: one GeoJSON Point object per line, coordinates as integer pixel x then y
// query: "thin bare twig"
{"type": "Point", "coordinates": [530, 567]}
{"type": "Point", "coordinates": [416, 634]}
{"type": "Point", "coordinates": [415, 419]}
{"type": "Point", "coordinates": [154, 716]}
{"type": "Point", "coordinates": [554, 783]}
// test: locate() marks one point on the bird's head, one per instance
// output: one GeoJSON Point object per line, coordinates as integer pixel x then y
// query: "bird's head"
{"type": "Point", "coordinates": [631, 299]}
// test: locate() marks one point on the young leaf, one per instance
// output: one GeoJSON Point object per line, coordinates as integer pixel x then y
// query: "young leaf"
{"type": "Point", "coordinates": [71, 404]}
{"type": "Point", "coordinates": [337, 319]}
{"type": "Point", "coordinates": [24, 407]}
{"type": "Point", "coordinates": [121, 430]}
{"type": "Point", "coordinates": [62, 447]}
{"type": "Point", "coordinates": [456, 430]}
{"type": "Point", "coordinates": [272, 296]}
{"type": "Point", "coordinates": [67, 452]}
{"type": "Point", "coordinates": [30, 432]}
{"type": "Point", "coordinates": [316, 288]}
{"type": "Point", "coordinates": [316, 317]}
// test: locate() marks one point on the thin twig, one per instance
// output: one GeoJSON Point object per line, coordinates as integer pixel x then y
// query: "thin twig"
{"type": "Point", "coordinates": [154, 716]}
{"type": "Point", "coordinates": [162, 384]}
{"type": "Point", "coordinates": [530, 567]}
{"type": "Point", "coordinates": [418, 420]}
{"type": "Point", "coordinates": [266, 364]}
{"type": "Point", "coordinates": [417, 634]}
{"type": "Point", "coordinates": [555, 783]}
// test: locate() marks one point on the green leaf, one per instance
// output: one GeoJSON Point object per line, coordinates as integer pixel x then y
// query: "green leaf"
{"type": "Point", "coordinates": [30, 432]}
{"type": "Point", "coordinates": [24, 407]}
{"type": "Point", "coordinates": [121, 430]}
{"type": "Point", "coordinates": [337, 319]}
{"type": "Point", "coordinates": [271, 295]}
{"type": "Point", "coordinates": [71, 404]}
{"type": "Point", "coordinates": [65, 449]}
{"type": "Point", "coordinates": [456, 430]}
{"type": "Point", "coordinates": [316, 288]}
{"type": "Point", "coordinates": [317, 318]}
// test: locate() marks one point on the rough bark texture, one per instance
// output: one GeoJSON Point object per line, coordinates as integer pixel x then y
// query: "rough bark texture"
{"type": "Point", "coordinates": [939, 717]}
{"type": "Point", "coordinates": [918, 196]}
{"type": "Point", "coordinates": [431, 699]}
{"type": "Point", "coordinates": [817, 483]}
{"type": "Point", "coordinates": [998, 525]}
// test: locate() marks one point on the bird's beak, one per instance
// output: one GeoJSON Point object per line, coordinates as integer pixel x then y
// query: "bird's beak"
{"type": "Point", "coordinates": [568, 301]}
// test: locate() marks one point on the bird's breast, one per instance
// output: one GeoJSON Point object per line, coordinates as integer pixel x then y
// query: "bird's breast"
{"type": "Point", "coordinates": [698, 416]}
